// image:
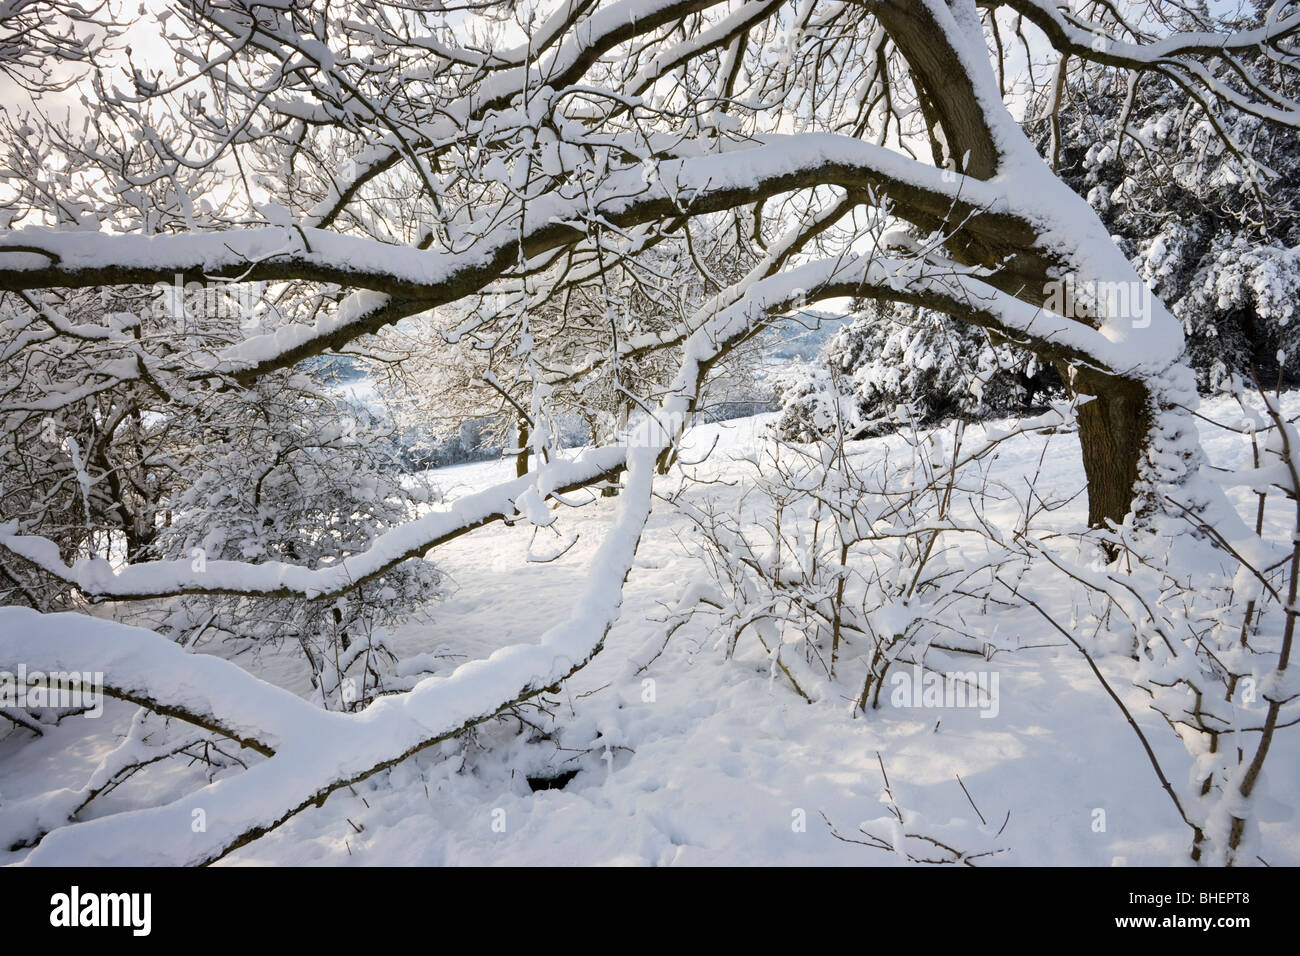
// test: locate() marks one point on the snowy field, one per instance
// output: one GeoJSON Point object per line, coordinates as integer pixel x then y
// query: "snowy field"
{"type": "Point", "coordinates": [704, 760]}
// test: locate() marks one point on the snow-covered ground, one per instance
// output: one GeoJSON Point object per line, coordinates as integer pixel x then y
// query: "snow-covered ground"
{"type": "Point", "coordinates": [704, 760]}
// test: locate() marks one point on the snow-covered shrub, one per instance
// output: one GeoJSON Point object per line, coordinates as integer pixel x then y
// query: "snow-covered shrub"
{"type": "Point", "coordinates": [285, 471]}
{"type": "Point", "coordinates": [889, 357]}
{"type": "Point", "coordinates": [814, 403]}
{"type": "Point", "coordinates": [1240, 309]}
{"type": "Point", "coordinates": [1202, 613]}
{"type": "Point", "coordinates": [290, 474]}
{"type": "Point", "coordinates": [837, 568]}
{"type": "Point", "coordinates": [833, 560]}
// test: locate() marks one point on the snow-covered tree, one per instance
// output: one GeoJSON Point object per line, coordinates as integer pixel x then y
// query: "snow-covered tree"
{"type": "Point", "coordinates": [368, 162]}
{"type": "Point", "coordinates": [1203, 203]}
{"type": "Point", "coordinates": [289, 474]}
{"type": "Point", "coordinates": [893, 360]}
{"type": "Point", "coordinates": [559, 386]}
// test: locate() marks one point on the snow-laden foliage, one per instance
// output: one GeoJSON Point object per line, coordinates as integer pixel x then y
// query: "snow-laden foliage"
{"type": "Point", "coordinates": [1204, 205]}
{"type": "Point", "coordinates": [286, 471]}
{"type": "Point", "coordinates": [289, 475]}
{"type": "Point", "coordinates": [552, 386]}
{"type": "Point", "coordinates": [890, 364]}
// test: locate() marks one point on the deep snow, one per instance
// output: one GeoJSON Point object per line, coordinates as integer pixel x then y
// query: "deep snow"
{"type": "Point", "coordinates": [715, 762]}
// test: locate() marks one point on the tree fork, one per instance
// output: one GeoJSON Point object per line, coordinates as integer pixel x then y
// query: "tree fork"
{"type": "Point", "coordinates": [1115, 424]}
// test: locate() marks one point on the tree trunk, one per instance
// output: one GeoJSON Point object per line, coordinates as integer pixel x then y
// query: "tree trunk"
{"type": "Point", "coordinates": [521, 458]}
{"type": "Point", "coordinates": [1114, 427]}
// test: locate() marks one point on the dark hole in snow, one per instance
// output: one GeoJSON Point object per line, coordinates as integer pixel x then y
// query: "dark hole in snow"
{"type": "Point", "coordinates": [557, 782]}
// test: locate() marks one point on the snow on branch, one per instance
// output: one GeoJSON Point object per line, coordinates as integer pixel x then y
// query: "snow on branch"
{"type": "Point", "coordinates": [1177, 54]}
{"type": "Point", "coordinates": [96, 578]}
{"type": "Point", "coordinates": [318, 752]}
{"type": "Point", "coordinates": [403, 280]}
{"type": "Point", "coordinates": [143, 667]}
